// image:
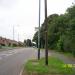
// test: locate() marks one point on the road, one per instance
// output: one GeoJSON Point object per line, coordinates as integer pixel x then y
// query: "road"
{"type": "Point", "coordinates": [11, 61]}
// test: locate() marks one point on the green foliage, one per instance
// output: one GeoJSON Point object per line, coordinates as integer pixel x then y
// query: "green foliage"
{"type": "Point", "coordinates": [71, 11]}
{"type": "Point", "coordinates": [35, 38]}
{"type": "Point", "coordinates": [60, 44]}
{"type": "Point", "coordinates": [14, 45]}
{"type": "Point", "coordinates": [0, 46]}
{"type": "Point", "coordinates": [61, 31]}
{"type": "Point", "coordinates": [28, 42]}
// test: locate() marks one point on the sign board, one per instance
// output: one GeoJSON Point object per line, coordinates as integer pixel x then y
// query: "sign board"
{"type": "Point", "coordinates": [36, 28]}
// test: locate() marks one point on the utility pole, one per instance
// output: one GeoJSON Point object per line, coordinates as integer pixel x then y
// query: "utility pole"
{"type": "Point", "coordinates": [18, 37]}
{"type": "Point", "coordinates": [13, 32]}
{"type": "Point", "coordinates": [46, 35]}
{"type": "Point", "coordinates": [39, 31]}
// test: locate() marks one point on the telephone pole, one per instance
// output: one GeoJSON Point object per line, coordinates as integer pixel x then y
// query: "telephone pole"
{"type": "Point", "coordinates": [13, 32]}
{"type": "Point", "coordinates": [39, 31]}
{"type": "Point", "coordinates": [46, 35]}
{"type": "Point", "coordinates": [18, 37]}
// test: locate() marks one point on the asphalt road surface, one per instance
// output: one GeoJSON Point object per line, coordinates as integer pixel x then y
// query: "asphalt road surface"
{"type": "Point", "coordinates": [11, 61]}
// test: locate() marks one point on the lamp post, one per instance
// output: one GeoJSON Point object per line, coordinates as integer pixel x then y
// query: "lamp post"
{"type": "Point", "coordinates": [18, 37]}
{"type": "Point", "coordinates": [13, 32]}
{"type": "Point", "coordinates": [46, 35]}
{"type": "Point", "coordinates": [39, 31]}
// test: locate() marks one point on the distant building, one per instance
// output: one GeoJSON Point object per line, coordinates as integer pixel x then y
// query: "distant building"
{"type": "Point", "coordinates": [8, 42]}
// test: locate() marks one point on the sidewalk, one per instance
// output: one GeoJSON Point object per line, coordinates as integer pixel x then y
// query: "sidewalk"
{"type": "Point", "coordinates": [66, 59]}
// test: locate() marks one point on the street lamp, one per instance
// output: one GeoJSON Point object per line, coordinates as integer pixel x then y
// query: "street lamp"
{"type": "Point", "coordinates": [46, 35]}
{"type": "Point", "coordinates": [38, 30]}
{"type": "Point", "coordinates": [13, 32]}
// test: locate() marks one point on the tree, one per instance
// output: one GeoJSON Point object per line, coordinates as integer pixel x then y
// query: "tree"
{"type": "Point", "coordinates": [29, 43]}
{"type": "Point", "coordinates": [25, 42]}
{"type": "Point", "coordinates": [61, 31]}
{"type": "Point", "coordinates": [35, 39]}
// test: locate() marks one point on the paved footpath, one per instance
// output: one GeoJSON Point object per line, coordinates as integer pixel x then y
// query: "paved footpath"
{"type": "Point", "coordinates": [64, 58]}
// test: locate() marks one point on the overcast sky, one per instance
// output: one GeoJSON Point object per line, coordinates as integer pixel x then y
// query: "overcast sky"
{"type": "Point", "coordinates": [23, 15]}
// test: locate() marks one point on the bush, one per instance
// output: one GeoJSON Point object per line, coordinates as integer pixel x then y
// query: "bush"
{"type": "Point", "coordinates": [14, 45]}
{"type": "Point", "coordinates": [0, 46]}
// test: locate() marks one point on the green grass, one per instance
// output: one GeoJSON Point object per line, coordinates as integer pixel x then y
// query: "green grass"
{"type": "Point", "coordinates": [68, 54]}
{"type": "Point", "coordinates": [55, 67]}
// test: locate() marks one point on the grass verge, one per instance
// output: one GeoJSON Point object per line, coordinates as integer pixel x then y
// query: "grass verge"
{"type": "Point", "coordinates": [55, 67]}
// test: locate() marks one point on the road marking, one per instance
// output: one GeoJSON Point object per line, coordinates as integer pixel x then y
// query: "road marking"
{"type": "Point", "coordinates": [8, 53]}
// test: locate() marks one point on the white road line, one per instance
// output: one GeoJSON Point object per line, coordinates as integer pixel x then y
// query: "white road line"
{"type": "Point", "coordinates": [8, 53]}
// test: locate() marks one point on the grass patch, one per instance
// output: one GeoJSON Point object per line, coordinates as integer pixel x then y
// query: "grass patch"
{"type": "Point", "coordinates": [55, 67]}
{"type": "Point", "coordinates": [68, 54]}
